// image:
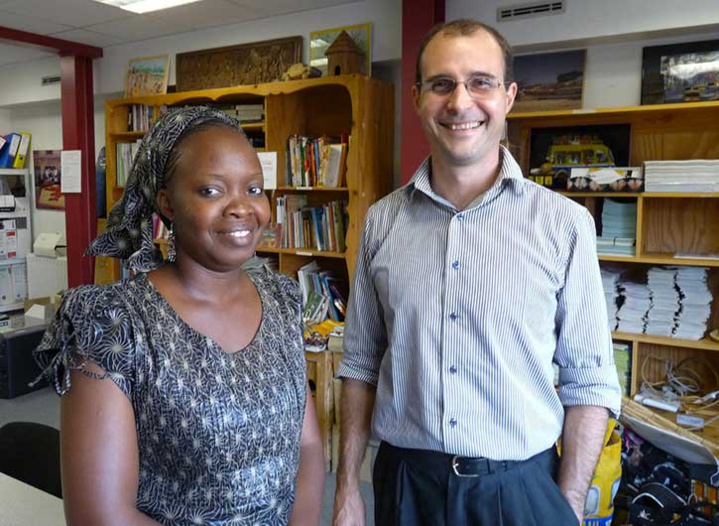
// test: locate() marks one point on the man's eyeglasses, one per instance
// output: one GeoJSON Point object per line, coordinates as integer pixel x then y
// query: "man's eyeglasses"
{"type": "Point", "coordinates": [476, 86]}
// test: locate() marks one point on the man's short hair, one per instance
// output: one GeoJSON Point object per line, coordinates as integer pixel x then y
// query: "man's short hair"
{"type": "Point", "coordinates": [466, 27]}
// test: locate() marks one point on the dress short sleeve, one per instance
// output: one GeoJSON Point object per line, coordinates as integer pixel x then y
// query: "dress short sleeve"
{"type": "Point", "coordinates": [92, 324]}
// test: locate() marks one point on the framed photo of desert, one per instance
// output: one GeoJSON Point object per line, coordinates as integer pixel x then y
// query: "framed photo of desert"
{"type": "Point", "coordinates": [549, 81]}
{"type": "Point", "coordinates": [147, 76]}
{"type": "Point", "coordinates": [687, 72]}
{"type": "Point", "coordinates": [321, 40]}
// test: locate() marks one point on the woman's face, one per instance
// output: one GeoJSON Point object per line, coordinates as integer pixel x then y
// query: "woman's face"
{"type": "Point", "coordinates": [215, 199]}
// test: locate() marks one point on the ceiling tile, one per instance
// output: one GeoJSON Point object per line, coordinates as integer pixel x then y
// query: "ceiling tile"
{"type": "Point", "coordinates": [10, 54]}
{"type": "Point", "coordinates": [91, 38]}
{"type": "Point", "coordinates": [138, 27]}
{"type": "Point", "coordinates": [283, 7]}
{"type": "Point", "coordinates": [74, 13]}
{"type": "Point", "coordinates": [208, 13]}
{"type": "Point", "coordinates": [31, 24]}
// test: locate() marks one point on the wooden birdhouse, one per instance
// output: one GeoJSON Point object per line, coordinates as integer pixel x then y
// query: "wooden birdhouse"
{"type": "Point", "coordinates": [344, 56]}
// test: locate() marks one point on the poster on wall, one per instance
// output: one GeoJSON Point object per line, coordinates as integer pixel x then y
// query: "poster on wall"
{"type": "Point", "coordinates": [687, 72]}
{"type": "Point", "coordinates": [549, 81]}
{"type": "Point", "coordinates": [47, 179]}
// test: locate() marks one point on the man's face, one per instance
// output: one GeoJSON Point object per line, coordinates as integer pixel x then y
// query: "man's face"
{"type": "Point", "coordinates": [463, 128]}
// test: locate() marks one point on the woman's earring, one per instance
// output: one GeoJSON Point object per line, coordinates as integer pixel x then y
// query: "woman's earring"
{"type": "Point", "coordinates": [171, 253]}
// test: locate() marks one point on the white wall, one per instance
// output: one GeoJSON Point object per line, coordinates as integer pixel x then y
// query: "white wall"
{"type": "Point", "coordinates": [592, 19]}
{"type": "Point", "coordinates": [4, 121]}
{"type": "Point", "coordinates": [612, 31]}
{"type": "Point", "coordinates": [20, 83]}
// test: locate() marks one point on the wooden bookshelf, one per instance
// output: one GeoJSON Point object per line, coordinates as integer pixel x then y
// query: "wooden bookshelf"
{"type": "Point", "coordinates": [353, 105]}
{"type": "Point", "coordinates": [672, 228]}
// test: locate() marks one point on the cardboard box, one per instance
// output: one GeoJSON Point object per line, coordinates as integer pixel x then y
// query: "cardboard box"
{"type": "Point", "coordinates": [42, 309]}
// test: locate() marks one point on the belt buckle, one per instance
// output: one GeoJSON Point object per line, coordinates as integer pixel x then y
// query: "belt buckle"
{"type": "Point", "coordinates": [455, 466]}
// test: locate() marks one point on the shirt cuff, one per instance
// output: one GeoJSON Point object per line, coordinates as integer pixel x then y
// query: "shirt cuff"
{"type": "Point", "coordinates": [354, 373]}
{"type": "Point", "coordinates": [598, 386]}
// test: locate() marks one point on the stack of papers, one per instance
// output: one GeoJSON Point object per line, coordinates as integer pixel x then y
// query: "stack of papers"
{"type": "Point", "coordinates": [695, 175]}
{"type": "Point", "coordinates": [619, 228]}
{"type": "Point", "coordinates": [695, 303]}
{"type": "Point", "coordinates": [635, 301]}
{"type": "Point", "coordinates": [610, 282]}
{"type": "Point", "coordinates": [664, 300]}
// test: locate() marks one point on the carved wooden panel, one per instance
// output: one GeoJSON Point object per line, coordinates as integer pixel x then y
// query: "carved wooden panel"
{"type": "Point", "coordinates": [252, 63]}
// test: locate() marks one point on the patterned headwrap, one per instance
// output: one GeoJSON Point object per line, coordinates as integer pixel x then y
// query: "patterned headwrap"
{"type": "Point", "coordinates": [129, 233]}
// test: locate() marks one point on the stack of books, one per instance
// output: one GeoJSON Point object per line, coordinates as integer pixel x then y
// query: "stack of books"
{"type": "Point", "coordinates": [635, 300]}
{"type": "Point", "coordinates": [690, 322]}
{"type": "Point", "coordinates": [323, 294]}
{"type": "Point", "coordinates": [619, 228]}
{"type": "Point", "coordinates": [697, 175]}
{"type": "Point", "coordinates": [664, 300]}
{"type": "Point", "coordinates": [245, 113]}
{"type": "Point", "coordinates": [610, 284]}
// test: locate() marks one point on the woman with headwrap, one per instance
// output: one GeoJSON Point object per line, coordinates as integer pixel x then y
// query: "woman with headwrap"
{"type": "Point", "coordinates": [184, 397]}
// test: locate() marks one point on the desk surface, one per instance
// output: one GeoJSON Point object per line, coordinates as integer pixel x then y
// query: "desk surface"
{"type": "Point", "coordinates": [22, 505]}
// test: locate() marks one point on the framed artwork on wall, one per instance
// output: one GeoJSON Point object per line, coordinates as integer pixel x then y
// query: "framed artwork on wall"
{"type": "Point", "coordinates": [240, 65]}
{"type": "Point", "coordinates": [147, 76]}
{"type": "Point", "coordinates": [321, 40]}
{"type": "Point", "coordinates": [687, 72]}
{"type": "Point", "coordinates": [46, 165]}
{"type": "Point", "coordinates": [549, 81]}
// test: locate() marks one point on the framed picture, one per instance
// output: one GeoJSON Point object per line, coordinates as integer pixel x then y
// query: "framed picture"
{"type": "Point", "coordinates": [47, 179]}
{"type": "Point", "coordinates": [239, 65]}
{"type": "Point", "coordinates": [147, 76]}
{"type": "Point", "coordinates": [321, 40]}
{"type": "Point", "coordinates": [549, 81]}
{"type": "Point", "coordinates": [687, 72]}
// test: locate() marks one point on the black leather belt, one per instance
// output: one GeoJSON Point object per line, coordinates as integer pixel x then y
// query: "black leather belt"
{"type": "Point", "coordinates": [465, 466]}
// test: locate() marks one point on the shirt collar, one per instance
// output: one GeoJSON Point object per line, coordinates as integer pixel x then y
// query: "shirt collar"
{"type": "Point", "coordinates": [510, 174]}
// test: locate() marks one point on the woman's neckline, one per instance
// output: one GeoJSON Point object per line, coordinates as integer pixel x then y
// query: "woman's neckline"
{"type": "Point", "coordinates": [179, 319]}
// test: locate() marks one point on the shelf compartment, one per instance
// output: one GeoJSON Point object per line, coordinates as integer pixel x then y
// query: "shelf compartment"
{"type": "Point", "coordinates": [704, 344]}
{"type": "Point", "coordinates": [303, 252]}
{"type": "Point", "coordinates": [680, 226]}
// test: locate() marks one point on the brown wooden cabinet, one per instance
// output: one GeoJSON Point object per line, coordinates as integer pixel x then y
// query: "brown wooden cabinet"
{"type": "Point", "coordinates": [353, 105]}
{"type": "Point", "coordinates": [667, 223]}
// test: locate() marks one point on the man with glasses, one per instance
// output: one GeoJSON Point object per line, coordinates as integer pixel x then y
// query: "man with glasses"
{"type": "Point", "coordinates": [471, 282]}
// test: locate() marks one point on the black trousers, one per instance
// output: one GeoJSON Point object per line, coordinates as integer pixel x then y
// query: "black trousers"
{"type": "Point", "coordinates": [415, 487]}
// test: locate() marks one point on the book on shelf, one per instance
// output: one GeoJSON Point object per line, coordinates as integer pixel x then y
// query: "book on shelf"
{"type": "Point", "coordinates": [7, 154]}
{"type": "Point", "coordinates": [317, 161]}
{"type": "Point", "coordinates": [318, 228]}
{"type": "Point", "coordinates": [268, 161]}
{"type": "Point", "coordinates": [313, 279]}
{"type": "Point", "coordinates": [315, 309]}
{"type": "Point", "coordinates": [140, 116]}
{"type": "Point", "coordinates": [125, 156]}
{"type": "Point", "coordinates": [271, 237]}
{"type": "Point", "coordinates": [245, 113]}
{"type": "Point", "coordinates": [22, 151]}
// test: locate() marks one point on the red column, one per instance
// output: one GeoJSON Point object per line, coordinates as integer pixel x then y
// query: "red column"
{"type": "Point", "coordinates": [78, 133]}
{"type": "Point", "coordinates": [418, 17]}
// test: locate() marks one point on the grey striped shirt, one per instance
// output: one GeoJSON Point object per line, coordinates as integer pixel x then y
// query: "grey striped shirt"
{"type": "Point", "coordinates": [457, 316]}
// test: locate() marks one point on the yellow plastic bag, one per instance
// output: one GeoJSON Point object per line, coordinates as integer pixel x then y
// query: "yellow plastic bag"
{"type": "Point", "coordinates": [599, 506]}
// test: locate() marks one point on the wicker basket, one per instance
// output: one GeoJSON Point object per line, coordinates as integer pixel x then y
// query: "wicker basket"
{"type": "Point", "coordinates": [707, 437]}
